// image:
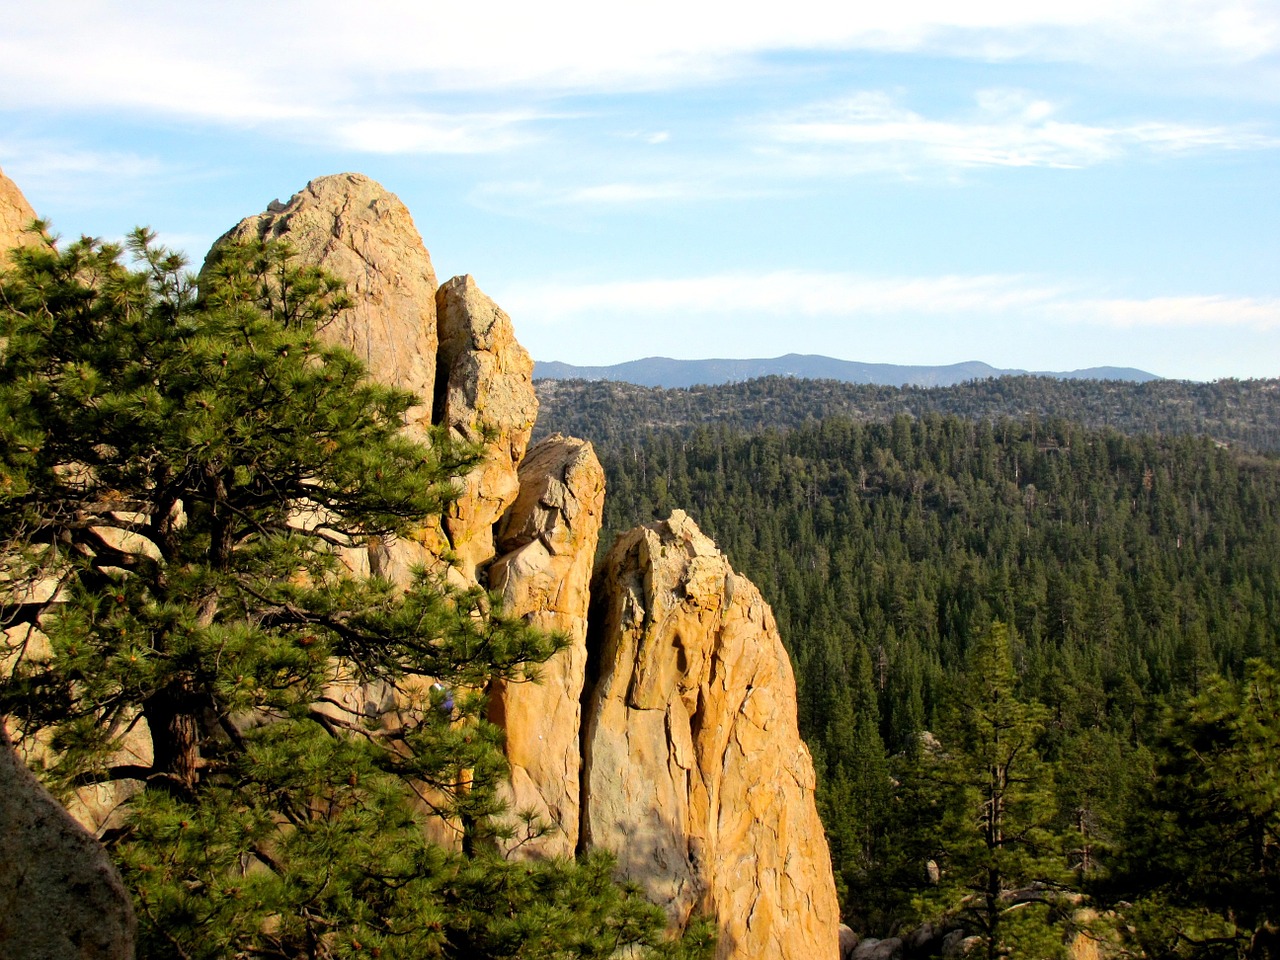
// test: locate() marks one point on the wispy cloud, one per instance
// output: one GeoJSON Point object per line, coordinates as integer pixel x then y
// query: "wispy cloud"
{"type": "Point", "coordinates": [1261, 314]}
{"type": "Point", "coordinates": [46, 166]}
{"type": "Point", "coordinates": [413, 132]}
{"type": "Point", "coordinates": [244, 61]}
{"type": "Point", "coordinates": [1006, 128]}
{"type": "Point", "coordinates": [834, 295]}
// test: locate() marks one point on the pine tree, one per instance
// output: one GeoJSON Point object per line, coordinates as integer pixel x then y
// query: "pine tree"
{"type": "Point", "coordinates": [1002, 863]}
{"type": "Point", "coordinates": [1203, 861]}
{"type": "Point", "coordinates": [180, 471]}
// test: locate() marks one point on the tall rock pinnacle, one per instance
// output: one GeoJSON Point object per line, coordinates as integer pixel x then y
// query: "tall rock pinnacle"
{"type": "Point", "coordinates": [485, 395]}
{"type": "Point", "coordinates": [548, 541]}
{"type": "Point", "coordinates": [694, 773]}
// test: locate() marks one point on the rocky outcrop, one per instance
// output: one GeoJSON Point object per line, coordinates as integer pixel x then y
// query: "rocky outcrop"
{"type": "Point", "coordinates": [60, 896]}
{"type": "Point", "coordinates": [356, 229]}
{"type": "Point", "coordinates": [665, 731]}
{"type": "Point", "coordinates": [15, 216]}
{"type": "Point", "coordinates": [548, 541]}
{"type": "Point", "coordinates": [695, 775]}
{"type": "Point", "coordinates": [484, 395]}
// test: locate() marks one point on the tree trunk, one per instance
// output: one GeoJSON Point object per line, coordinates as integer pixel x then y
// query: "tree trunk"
{"type": "Point", "coordinates": [172, 717]}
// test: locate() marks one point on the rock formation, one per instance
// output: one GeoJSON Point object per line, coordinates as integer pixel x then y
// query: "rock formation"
{"type": "Point", "coordinates": [665, 731]}
{"type": "Point", "coordinates": [15, 216]}
{"type": "Point", "coordinates": [695, 775]}
{"type": "Point", "coordinates": [548, 541]}
{"type": "Point", "coordinates": [484, 395]}
{"type": "Point", "coordinates": [354, 228]}
{"type": "Point", "coordinates": [60, 896]}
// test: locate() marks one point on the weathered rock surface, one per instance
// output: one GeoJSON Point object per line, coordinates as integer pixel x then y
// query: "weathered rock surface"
{"type": "Point", "coordinates": [60, 896]}
{"type": "Point", "coordinates": [548, 542]}
{"type": "Point", "coordinates": [354, 228]}
{"type": "Point", "coordinates": [484, 395]}
{"type": "Point", "coordinates": [15, 216]}
{"type": "Point", "coordinates": [695, 775]}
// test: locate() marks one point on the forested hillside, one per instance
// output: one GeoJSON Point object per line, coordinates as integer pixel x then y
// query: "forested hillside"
{"type": "Point", "coordinates": [1243, 413]}
{"type": "Point", "coordinates": [1120, 576]}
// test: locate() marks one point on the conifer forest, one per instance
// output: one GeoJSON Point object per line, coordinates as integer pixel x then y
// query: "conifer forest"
{"type": "Point", "coordinates": [1035, 658]}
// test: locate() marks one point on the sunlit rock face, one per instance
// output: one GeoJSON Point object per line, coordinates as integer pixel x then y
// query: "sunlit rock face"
{"type": "Point", "coordinates": [547, 542]}
{"type": "Point", "coordinates": [695, 775]}
{"type": "Point", "coordinates": [60, 896]}
{"type": "Point", "coordinates": [15, 217]}
{"type": "Point", "coordinates": [356, 229]}
{"type": "Point", "coordinates": [484, 395]}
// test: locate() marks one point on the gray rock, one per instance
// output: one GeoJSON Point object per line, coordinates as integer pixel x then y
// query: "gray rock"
{"type": "Point", "coordinates": [890, 949]}
{"type": "Point", "coordinates": [848, 942]}
{"type": "Point", "coordinates": [956, 944]}
{"type": "Point", "coordinates": [60, 896]}
{"type": "Point", "coordinates": [923, 941]}
{"type": "Point", "coordinates": [865, 948]}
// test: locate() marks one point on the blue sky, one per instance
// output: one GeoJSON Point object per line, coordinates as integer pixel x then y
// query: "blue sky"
{"type": "Point", "coordinates": [1036, 185]}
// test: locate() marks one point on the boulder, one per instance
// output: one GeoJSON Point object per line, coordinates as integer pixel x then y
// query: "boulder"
{"type": "Point", "coordinates": [956, 944]}
{"type": "Point", "coordinates": [484, 394]}
{"type": "Point", "coordinates": [547, 542]}
{"type": "Point", "coordinates": [15, 216]}
{"type": "Point", "coordinates": [848, 942]}
{"type": "Point", "coordinates": [695, 775]}
{"type": "Point", "coordinates": [60, 896]}
{"type": "Point", "coordinates": [356, 229]}
{"type": "Point", "coordinates": [889, 949]}
{"type": "Point", "coordinates": [924, 941]}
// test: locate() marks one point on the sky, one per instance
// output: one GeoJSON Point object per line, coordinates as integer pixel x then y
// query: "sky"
{"type": "Point", "coordinates": [1037, 185]}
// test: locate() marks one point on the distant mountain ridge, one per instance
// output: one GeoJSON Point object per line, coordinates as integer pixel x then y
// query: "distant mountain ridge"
{"type": "Point", "coordinates": [666, 372]}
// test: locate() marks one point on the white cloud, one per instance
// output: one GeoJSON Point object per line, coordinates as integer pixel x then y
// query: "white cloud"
{"type": "Point", "coordinates": [1007, 128]}
{"type": "Point", "coordinates": [1261, 314]}
{"type": "Point", "coordinates": [808, 294]}
{"type": "Point", "coordinates": [781, 293]}
{"type": "Point", "coordinates": [417, 132]}
{"type": "Point", "coordinates": [42, 166]}
{"type": "Point", "coordinates": [252, 62]}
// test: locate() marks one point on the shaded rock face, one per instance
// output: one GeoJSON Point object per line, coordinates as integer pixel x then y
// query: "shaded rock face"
{"type": "Point", "coordinates": [60, 897]}
{"type": "Point", "coordinates": [15, 216]}
{"type": "Point", "coordinates": [694, 772]}
{"type": "Point", "coordinates": [484, 395]}
{"type": "Point", "coordinates": [353, 227]}
{"type": "Point", "coordinates": [548, 541]}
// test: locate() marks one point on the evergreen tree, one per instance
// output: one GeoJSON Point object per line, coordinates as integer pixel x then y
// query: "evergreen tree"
{"type": "Point", "coordinates": [1203, 863]}
{"type": "Point", "coordinates": [1002, 864]}
{"type": "Point", "coordinates": [180, 473]}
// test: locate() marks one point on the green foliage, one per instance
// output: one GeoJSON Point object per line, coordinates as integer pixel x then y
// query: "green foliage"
{"type": "Point", "coordinates": [1129, 569]}
{"type": "Point", "coordinates": [185, 469]}
{"type": "Point", "coordinates": [1002, 863]}
{"type": "Point", "coordinates": [1204, 864]}
{"type": "Point", "coordinates": [1244, 413]}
